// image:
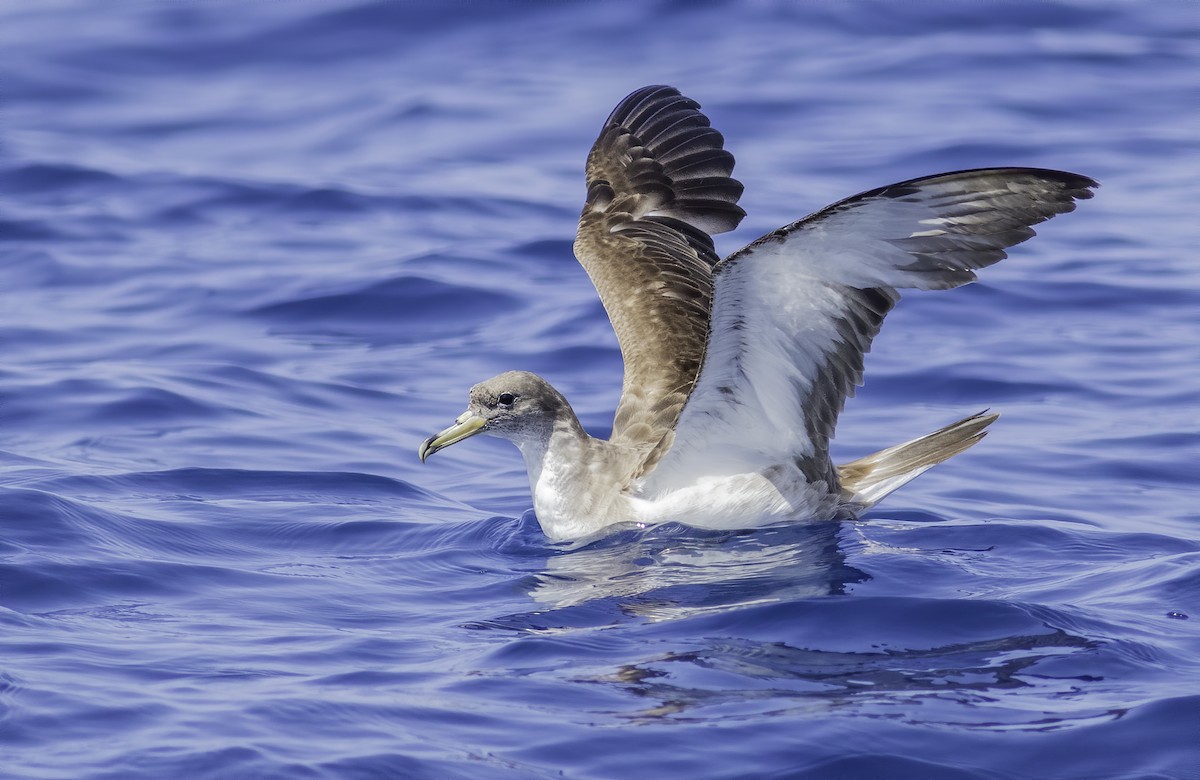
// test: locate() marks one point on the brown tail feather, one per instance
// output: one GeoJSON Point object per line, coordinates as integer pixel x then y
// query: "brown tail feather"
{"type": "Point", "coordinates": [867, 480]}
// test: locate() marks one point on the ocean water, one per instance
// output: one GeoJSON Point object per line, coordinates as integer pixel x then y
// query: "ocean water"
{"type": "Point", "coordinates": [252, 254]}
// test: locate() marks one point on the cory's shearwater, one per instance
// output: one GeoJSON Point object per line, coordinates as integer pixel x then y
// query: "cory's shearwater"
{"type": "Point", "coordinates": [736, 369]}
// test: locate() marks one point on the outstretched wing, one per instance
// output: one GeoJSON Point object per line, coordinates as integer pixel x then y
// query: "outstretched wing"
{"type": "Point", "coordinates": [796, 310]}
{"type": "Point", "coordinates": [658, 184]}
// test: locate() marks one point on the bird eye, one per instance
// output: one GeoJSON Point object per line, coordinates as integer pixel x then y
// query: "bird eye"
{"type": "Point", "coordinates": [506, 399]}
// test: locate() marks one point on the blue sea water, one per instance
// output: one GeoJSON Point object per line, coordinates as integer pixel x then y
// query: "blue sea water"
{"type": "Point", "coordinates": [252, 254]}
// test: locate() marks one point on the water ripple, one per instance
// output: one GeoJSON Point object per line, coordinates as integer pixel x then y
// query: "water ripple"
{"type": "Point", "coordinates": [252, 260]}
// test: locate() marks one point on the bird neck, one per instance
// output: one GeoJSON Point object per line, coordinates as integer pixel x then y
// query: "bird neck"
{"type": "Point", "coordinates": [563, 443]}
{"type": "Point", "coordinates": [570, 496]}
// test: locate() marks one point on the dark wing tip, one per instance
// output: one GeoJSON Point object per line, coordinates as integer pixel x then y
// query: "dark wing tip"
{"type": "Point", "coordinates": [1062, 186]}
{"type": "Point", "coordinates": [1077, 185]}
{"type": "Point", "coordinates": [657, 138]}
{"type": "Point", "coordinates": [985, 211]}
{"type": "Point", "coordinates": [637, 100]}
{"type": "Point", "coordinates": [1071, 186]}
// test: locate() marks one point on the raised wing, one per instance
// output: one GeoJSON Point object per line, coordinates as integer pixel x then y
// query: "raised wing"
{"type": "Point", "coordinates": [796, 310]}
{"type": "Point", "coordinates": [658, 184]}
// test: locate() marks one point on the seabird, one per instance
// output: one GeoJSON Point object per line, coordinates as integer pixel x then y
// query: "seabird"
{"type": "Point", "coordinates": [736, 369]}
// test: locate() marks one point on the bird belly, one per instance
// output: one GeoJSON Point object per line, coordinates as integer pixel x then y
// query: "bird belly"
{"type": "Point", "coordinates": [738, 501]}
{"type": "Point", "coordinates": [573, 506]}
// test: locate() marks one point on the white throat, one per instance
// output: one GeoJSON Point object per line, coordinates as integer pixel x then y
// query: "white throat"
{"type": "Point", "coordinates": [562, 480]}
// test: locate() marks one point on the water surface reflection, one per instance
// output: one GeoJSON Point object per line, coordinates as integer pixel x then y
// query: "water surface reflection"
{"type": "Point", "coordinates": [723, 626]}
{"type": "Point", "coordinates": [672, 572]}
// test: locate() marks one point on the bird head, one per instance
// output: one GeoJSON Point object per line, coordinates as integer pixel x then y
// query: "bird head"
{"type": "Point", "coordinates": [515, 405]}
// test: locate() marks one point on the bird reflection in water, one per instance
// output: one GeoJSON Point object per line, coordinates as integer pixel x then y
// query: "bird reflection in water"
{"type": "Point", "coordinates": [671, 572]}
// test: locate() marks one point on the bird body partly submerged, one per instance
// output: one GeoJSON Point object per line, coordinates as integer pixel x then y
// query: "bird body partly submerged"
{"type": "Point", "coordinates": [581, 484]}
{"type": "Point", "coordinates": [571, 481]}
{"type": "Point", "coordinates": [736, 370]}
